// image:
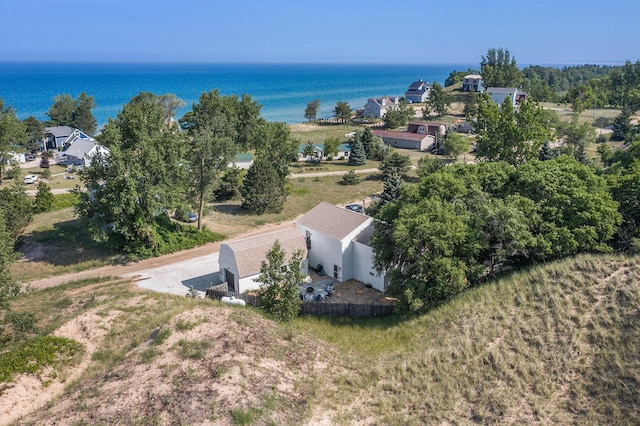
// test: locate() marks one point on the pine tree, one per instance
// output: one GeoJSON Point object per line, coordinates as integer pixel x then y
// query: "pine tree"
{"type": "Point", "coordinates": [367, 142]}
{"type": "Point", "coordinates": [350, 178]}
{"type": "Point", "coordinates": [44, 198]}
{"type": "Point", "coordinates": [546, 152]}
{"type": "Point", "coordinates": [357, 157]}
{"type": "Point", "coordinates": [392, 185]}
{"type": "Point", "coordinates": [264, 190]}
{"type": "Point", "coordinates": [622, 125]}
{"type": "Point", "coordinates": [579, 153]}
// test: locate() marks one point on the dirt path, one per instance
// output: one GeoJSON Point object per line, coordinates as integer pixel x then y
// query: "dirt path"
{"type": "Point", "coordinates": [120, 270]}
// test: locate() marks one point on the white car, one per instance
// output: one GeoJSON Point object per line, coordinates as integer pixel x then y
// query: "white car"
{"type": "Point", "coordinates": [30, 179]}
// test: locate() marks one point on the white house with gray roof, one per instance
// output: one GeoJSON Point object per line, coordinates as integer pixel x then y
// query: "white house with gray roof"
{"type": "Point", "coordinates": [378, 107]}
{"type": "Point", "coordinates": [499, 94]}
{"type": "Point", "coordinates": [240, 259]}
{"type": "Point", "coordinates": [338, 239]}
{"type": "Point", "coordinates": [82, 151]}
{"type": "Point", "coordinates": [331, 236]}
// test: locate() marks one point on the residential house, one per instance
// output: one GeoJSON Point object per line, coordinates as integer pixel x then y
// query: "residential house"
{"type": "Point", "coordinates": [240, 259]}
{"type": "Point", "coordinates": [418, 92]}
{"type": "Point", "coordinates": [472, 83]}
{"type": "Point", "coordinates": [499, 94]}
{"type": "Point", "coordinates": [344, 150]}
{"type": "Point", "coordinates": [378, 107]}
{"type": "Point", "coordinates": [61, 137]}
{"type": "Point", "coordinates": [339, 240]}
{"type": "Point", "coordinates": [81, 151]}
{"type": "Point", "coordinates": [420, 136]}
{"type": "Point", "coordinates": [331, 236]}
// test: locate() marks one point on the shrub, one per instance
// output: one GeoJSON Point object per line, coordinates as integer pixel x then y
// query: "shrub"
{"type": "Point", "coordinates": [350, 178]}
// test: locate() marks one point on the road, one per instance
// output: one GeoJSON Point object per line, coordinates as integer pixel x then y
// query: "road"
{"type": "Point", "coordinates": [172, 273]}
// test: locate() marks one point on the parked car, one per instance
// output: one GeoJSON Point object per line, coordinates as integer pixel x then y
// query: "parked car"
{"type": "Point", "coordinates": [355, 208]}
{"type": "Point", "coordinates": [30, 157]}
{"type": "Point", "coordinates": [186, 216]}
{"type": "Point", "coordinates": [30, 179]}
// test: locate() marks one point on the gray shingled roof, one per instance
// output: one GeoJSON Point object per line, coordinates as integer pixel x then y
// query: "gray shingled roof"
{"type": "Point", "coordinates": [251, 251]}
{"type": "Point", "coordinates": [365, 236]}
{"type": "Point", "coordinates": [59, 131]}
{"type": "Point", "coordinates": [80, 148]}
{"type": "Point", "coordinates": [333, 221]}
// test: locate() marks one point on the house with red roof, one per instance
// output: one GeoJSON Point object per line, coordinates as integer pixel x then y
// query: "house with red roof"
{"type": "Point", "coordinates": [420, 136]}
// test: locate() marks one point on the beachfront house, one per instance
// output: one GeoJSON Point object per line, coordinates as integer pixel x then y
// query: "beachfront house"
{"type": "Point", "coordinates": [378, 107]}
{"type": "Point", "coordinates": [420, 136]}
{"type": "Point", "coordinates": [499, 94]}
{"type": "Point", "coordinates": [61, 137]}
{"type": "Point", "coordinates": [472, 83]}
{"type": "Point", "coordinates": [418, 92]}
{"type": "Point", "coordinates": [240, 260]}
{"type": "Point", "coordinates": [81, 151]}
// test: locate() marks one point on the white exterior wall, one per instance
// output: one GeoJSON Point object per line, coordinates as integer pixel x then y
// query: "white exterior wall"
{"type": "Point", "coordinates": [363, 269]}
{"type": "Point", "coordinates": [227, 260]}
{"type": "Point", "coordinates": [325, 251]}
{"type": "Point", "coordinates": [248, 283]}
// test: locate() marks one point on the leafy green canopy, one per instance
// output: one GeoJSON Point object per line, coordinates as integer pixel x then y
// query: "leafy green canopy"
{"type": "Point", "coordinates": [279, 283]}
{"type": "Point", "coordinates": [130, 190]}
{"type": "Point", "coordinates": [458, 223]}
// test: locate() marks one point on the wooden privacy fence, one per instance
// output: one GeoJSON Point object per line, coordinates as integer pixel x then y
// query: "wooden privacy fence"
{"type": "Point", "coordinates": [348, 309]}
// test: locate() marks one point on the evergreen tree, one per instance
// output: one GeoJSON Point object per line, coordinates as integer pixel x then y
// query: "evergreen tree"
{"type": "Point", "coordinates": [546, 152]}
{"type": "Point", "coordinates": [358, 157]}
{"type": "Point", "coordinates": [44, 198]}
{"type": "Point", "coordinates": [82, 117]}
{"type": "Point", "coordinates": [265, 185]}
{"type": "Point", "coordinates": [622, 125]}
{"type": "Point", "coordinates": [392, 186]}
{"type": "Point", "coordinates": [350, 178]}
{"type": "Point", "coordinates": [395, 162]}
{"type": "Point", "coordinates": [61, 112]}
{"type": "Point", "coordinates": [580, 154]}
{"type": "Point", "coordinates": [264, 190]}
{"type": "Point", "coordinates": [499, 69]}
{"type": "Point", "coordinates": [12, 131]}
{"type": "Point", "coordinates": [366, 137]}
{"type": "Point", "coordinates": [279, 283]}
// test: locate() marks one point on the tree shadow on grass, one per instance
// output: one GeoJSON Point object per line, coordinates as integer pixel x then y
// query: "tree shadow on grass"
{"type": "Point", "coordinates": [231, 209]}
{"type": "Point", "coordinates": [67, 243]}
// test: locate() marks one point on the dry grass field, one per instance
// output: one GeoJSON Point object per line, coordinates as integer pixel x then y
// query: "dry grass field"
{"type": "Point", "coordinates": [556, 344]}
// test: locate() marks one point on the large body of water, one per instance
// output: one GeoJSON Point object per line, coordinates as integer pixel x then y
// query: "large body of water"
{"type": "Point", "coordinates": [282, 90]}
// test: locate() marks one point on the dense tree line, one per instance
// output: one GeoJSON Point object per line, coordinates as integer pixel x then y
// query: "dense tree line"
{"type": "Point", "coordinates": [458, 223]}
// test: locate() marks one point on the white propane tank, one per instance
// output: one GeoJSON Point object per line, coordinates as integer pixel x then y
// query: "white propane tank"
{"type": "Point", "coordinates": [232, 301]}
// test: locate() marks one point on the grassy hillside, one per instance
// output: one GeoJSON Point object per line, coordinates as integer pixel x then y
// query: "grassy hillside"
{"type": "Point", "coordinates": [556, 344]}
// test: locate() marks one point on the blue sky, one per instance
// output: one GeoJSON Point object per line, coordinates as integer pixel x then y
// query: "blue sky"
{"type": "Point", "coordinates": [298, 31]}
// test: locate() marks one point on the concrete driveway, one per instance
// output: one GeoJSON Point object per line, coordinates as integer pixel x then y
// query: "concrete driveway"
{"type": "Point", "coordinates": [177, 278]}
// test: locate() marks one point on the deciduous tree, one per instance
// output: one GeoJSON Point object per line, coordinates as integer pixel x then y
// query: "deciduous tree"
{"type": "Point", "coordinates": [130, 190]}
{"type": "Point", "coordinates": [311, 111]}
{"type": "Point", "coordinates": [438, 101]}
{"type": "Point", "coordinates": [509, 134]}
{"type": "Point", "coordinates": [455, 144]}
{"type": "Point", "coordinates": [279, 283]}
{"type": "Point", "coordinates": [217, 127]}
{"type": "Point", "coordinates": [12, 135]}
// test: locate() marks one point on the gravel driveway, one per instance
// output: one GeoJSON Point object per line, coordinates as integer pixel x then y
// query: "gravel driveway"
{"type": "Point", "coordinates": [177, 278]}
